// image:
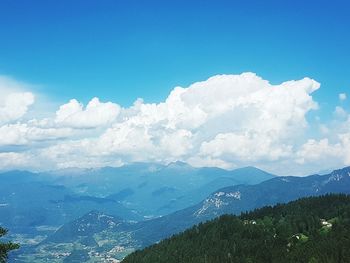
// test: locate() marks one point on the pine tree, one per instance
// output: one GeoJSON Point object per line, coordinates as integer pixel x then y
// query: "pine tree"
{"type": "Point", "coordinates": [6, 247]}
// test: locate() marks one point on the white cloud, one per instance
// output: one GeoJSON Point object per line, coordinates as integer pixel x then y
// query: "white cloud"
{"type": "Point", "coordinates": [342, 96]}
{"type": "Point", "coordinates": [207, 161]}
{"type": "Point", "coordinates": [340, 112]}
{"type": "Point", "coordinates": [322, 154]}
{"type": "Point", "coordinates": [94, 115]}
{"type": "Point", "coordinates": [227, 121]}
{"type": "Point", "coordinates": [314, 150]}
{"type": "Point", "coordinates": [14, 100]}
{"type": "Point", "coordinates": [9, 160]}
{"type": "Point", "coordinates": [246, 148]}
{"type": "Point", "coordinates": [23, 134]}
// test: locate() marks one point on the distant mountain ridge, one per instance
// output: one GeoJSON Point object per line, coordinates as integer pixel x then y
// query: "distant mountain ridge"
{"type": "Point", "coordinates": [178, 184]}
{"type": "Point", "coordinates": [34, 205]}
{"type": "Point", "coordinates": [229, 200]}
{"type": "Point", "coordinates": [85, 227]}
{"type": "Point", "coordinates": [235, 199]}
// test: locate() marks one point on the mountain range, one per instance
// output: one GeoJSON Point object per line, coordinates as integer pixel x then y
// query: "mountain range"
{"type": "Point", "coordinates": [34, 205]}
{"type": "Point", "coordinates": [155, 189]}
{"type": "Point", "coordinates": [128, 236]}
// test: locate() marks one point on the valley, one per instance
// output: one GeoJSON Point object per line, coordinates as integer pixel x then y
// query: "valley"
{"type": "Point", "coordinates": [104, 229]}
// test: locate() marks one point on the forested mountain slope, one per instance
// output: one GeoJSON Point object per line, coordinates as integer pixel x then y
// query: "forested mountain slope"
{"type": "Point", "coordinates": [313, 229]}
{"type": "Point", "coordinates": [128, 236]}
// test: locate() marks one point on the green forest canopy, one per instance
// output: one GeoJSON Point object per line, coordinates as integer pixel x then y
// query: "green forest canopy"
{"type": "Point", "coordinates": [314, 229]}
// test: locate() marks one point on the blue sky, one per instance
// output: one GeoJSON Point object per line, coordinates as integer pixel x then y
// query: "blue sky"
{"type": "Point", "coordinates": [119, 51]}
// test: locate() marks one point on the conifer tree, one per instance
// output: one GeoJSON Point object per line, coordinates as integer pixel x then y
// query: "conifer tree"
{"type": "Point", "coordinates": [5, 247]}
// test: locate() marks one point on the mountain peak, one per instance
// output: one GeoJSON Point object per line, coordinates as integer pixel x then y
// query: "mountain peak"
{"type": "Point", "coordinates": [178, 164]}
{"type": "Point", "coordinates": [345, 170]}
{"type": "Point", "coordinates": [252, 169]}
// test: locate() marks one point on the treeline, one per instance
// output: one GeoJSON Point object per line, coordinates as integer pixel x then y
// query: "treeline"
{"type": "Point", "coordinates": [5, 247]}
{"type": "Point", "coordinates": [315, 229]}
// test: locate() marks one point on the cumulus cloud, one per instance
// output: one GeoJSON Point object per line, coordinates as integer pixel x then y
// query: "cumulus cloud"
{"type": "Point", "coordinates": [14, 102]}
{"type": "Point", "coordinates": [324, 154]}
{"type": "Point", "coordinates": [94, 115]}
{"type": "Point", "coordinates": [226, 121]}
{"type": "Point", "coordinates": [314, 150]}
{"type": "Point", "coordinates": [244, 148]}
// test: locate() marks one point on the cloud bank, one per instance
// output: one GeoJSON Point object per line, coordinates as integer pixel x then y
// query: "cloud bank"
{"type": "Point", "coordinates": [226, 121]}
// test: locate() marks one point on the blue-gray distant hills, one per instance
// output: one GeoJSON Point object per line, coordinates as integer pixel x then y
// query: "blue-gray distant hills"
{"type": "Point", "coordinates": [241, 198]}
{"type": "Point", "coordinates": [228, 200]}
{"type": "Point", "coordinates": [27, 204]}
{"type": "Point", "coordinates": [155, 189]}
{"type": "Point", "coordinates": [131, 192]}
{"type": "Point", "coordinates": [34, 205]}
